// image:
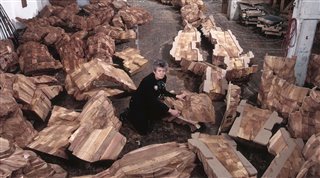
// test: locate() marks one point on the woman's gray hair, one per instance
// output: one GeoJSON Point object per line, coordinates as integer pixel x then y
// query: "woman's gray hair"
{"type": "Point", "coordinates": [160, 63]}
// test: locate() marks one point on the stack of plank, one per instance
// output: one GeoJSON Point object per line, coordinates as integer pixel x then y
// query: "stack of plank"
{"type": "Point", "coordinates": [131, 59]}
{"type": "Point", "coordinates": [311, 153]}
{"type": "Point", "coordinates": [35, 58]}
{"type": "Point", "coordinates": [220, 157]}
{"type": "Point", "coordinates": [8, 56]}
{"type": "Point", "coordinates": [306, 121]}
{"type": "Point", "coordinates": [254, 124]}
{"type": "Point", "coordinates": [15, 162]}
{"type": "Point", "coordinates": [194, 109]}
{"type": "Point", "coordinates": [117, 33]}
{"type": "Point", "coordinates": [100, 47]}
{"type": "Point", "coordinates": [35, 93]}
{"type": "Point", "coordinates": [288, 152]}
{"type": "Point", "coordinates": [159, 160]}
{"type": "Point", "coordinates": [11, 116]}
{"type": "Point", "coordinates": [250, 12]}
{"type": "Point", "coordinates": [54, 139]}
{"type": "Point", "coordinates": [232, 102]}
{"type": "Point", "coordinates": [313, 73]}
{"type": "Point", "coordinates": [271, 25]}
{"type": "Point", "coordinates": [97, 137]}
{"type": "Point", "coordinates": [185, 45]}
{"type": "Point", "coordinates": [128, 17]}
{"type": "Point", "coordinates": [214, 81]}
{"type": "Point", "coordinates": [93, 76]}
{"type": "Point", "coordinates": [209, 24]}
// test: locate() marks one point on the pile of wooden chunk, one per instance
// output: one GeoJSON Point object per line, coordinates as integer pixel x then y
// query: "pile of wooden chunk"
{"type": "Point", "coordinates": [250, 12]}
{"type": "Point", "coordinates": [313, 74]}
{"type": "Point", "coordinates": [8, 56]}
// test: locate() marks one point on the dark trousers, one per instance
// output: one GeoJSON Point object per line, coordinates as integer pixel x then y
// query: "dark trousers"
{"type": "Point", "coordinates": [142, 116]}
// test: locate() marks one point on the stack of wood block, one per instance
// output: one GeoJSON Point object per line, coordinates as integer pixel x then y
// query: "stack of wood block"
{"type": "Point", "coordinates": [194, 109]}
{"type": "Point", "coordinates": [272, 25]}
{"type": "Point", "coordinates": [288, 152]}
{"type": "Point", "coordinates": [181, 3]}
{"type": "Point", "coordinates": [129, 17]}
{"type": "Point", "coordinates": [8, 56]}
{"type": "Point", "coordinates": [313, 73]}
{"type": "Point", "coordinates": [311, 153]}
{"type": "Point", "coordinates": [15, 162]}
{"type": "Point", "coordinates": [117, 33]}
{"type": "Point", "coordinates": [93, 76]}
{"type": "Point", "coordinates": [11, 116]}
{"type": "Point", "coordinates": [232, 102]}
{"type": "Point", "coordinates": [306, 121]}
{"type": "Point", "coordinates": [97, 137]}
{"type": "Point", "coordinates": [254, 124]}
{"type": "Point", "coordinates": [158, 160]}
{"type": "Point", "coordinates": [228, 54]}
{"type": "Point", "coordinates": [131, 59]}
{"type": "Point", "coordinates": [185, 45]}
{"type": "Point", "coordinates": [207, 25]}
{"type": "Point", "coordinates": [192, 13]}
{"type": "Point", "coordinates": [54, 139]}
{"type": "Point", "coordinates": [250, 12]}
{"type": "Point", "coordinates": [220, 157]}
{"type": "Point", "coordinates": [103, 11]}
{"type": "Point", "coordinates": [35, 93]}
{"type": "Point", "coordinates": [71, 51]}
{"type": "Point", "coordinates": [214, 81]}
{"type": "Point", "coordinates": [35, 58]}
{"type": "Point", "coordinates": [62, 2]}
{"type": "Point", "coordinates": [100, 47]}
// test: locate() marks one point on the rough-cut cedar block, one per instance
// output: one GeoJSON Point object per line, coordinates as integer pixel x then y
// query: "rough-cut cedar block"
{"type": "Point", "coordinates": [62, 2]}
{"type": "Point", "coordinates": [289, 158]}
{"type": "Point", "coordinates": [116, 33]}
{"type": "Point", "coordinates": [158, 160]}
{"type": "Point", "coordinates": [8, 56]}
{"type": "Point", "coordinates": [132, 60]}
{"type": "Point", "coordinates": [281, 66]}
{"type": "Point", "coordinates": [313, 73]}
{"type": "Point", "coordinates": [227, 44]}
{"type": "Point", "coordinates": [133, 16]}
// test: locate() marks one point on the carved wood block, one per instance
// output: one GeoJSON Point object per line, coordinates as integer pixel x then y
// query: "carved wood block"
{"type": "Point", "coordinates": [132, 60]}
{"type": "Point", "coordinates": [313, 73]}
{"type": "Point", "coordinates": [8, 56]}
{"type": "Point", "coordinates": [101, 47]}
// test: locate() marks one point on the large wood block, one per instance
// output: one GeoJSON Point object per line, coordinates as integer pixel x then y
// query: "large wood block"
{"type": "Point", "coordinates": [185, 45]}
{"type": "Point", "coordinates": [133, 62]}
{"type": "Point", "coordinates": [192, 14]}
{"type": "Point", "coordinates": [219, 156]}
{"type": "Point", "coordinates": [131, 16]}
{"type": "Point", "coordinates": [281, 66]}
{"type": "Point", "coordinates": [227, 46]}
{"type": "Point", "coordinates": [8, 56]}
{"type": "Point", "coordinates": [97, 75]}
{"type": "Point", "coordinates": [158, 160]}
{"type": "Point", "coordinates": [313, 73]}
{"type": "Point", "coordinates": [209, 24]}
{"type": "Point", "coordinates": [24, 163]}
{"type": "Point", "coordinates": [117, 33]}
{"type": "Point", "coordinates": [194, 109]}
{"type": "Point", "coordinates": [100, 47]}
{"type": "Point", "coordinates": [54, 139]}
{"type": "Point", "coordinates": [289, 158]}
{"type": "Point", "coordinates": [254, 124]}
{"type": "Point", "coordinates": [232, 101]}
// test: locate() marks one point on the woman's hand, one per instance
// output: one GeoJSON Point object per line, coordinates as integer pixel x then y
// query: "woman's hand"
{"type": "Point", "coordinates": [181, 96]}
{"type": "Point", "coordinates": [174, 112]}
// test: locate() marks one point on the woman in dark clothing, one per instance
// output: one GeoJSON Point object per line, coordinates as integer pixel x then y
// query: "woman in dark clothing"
{"type": "Point", "coordinates": [145, 105]}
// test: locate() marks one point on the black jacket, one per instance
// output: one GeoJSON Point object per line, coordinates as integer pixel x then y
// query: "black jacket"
{"type": "Point", "coordinates": [149, 93]}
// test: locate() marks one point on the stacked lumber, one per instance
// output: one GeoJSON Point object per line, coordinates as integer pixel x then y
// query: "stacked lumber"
{"type": "Point", "coordinates": [194, 109]}
{"type": "Point", "coordinates": [8, 56]}
{"type": "Point", "coordinates": [192, 14]}
{"type": "Point", "coordinates": [15, 162]}
{"type": "Point", "coordinates": [306, 121]}
{"type": "Point", "coordinates": [254, 124]}
{"type": "Point", "coordinates": [220, 157]}
{"type": "Point", "coordinates": [14, 126]}
{"type": "Point", "coordinates": [289, 158]}
{"type": "Point", "coordinates": [132, 61]}
{"type": "Point", "coordinates": [207, 25]}
{"type": "Point", "coordinates": [158, 160]}
{"type": "Point", "coordinates": [93, 76]}
{"type": "Point", "coordinates": [249, 13]}
{"type": "Point", "coordinates": [117, 33]}
{"type": "Point", "coordinates": [280, 95]}
{"type": "Point", "coordinates": [272, 25]}
{"type": "Point", "coordinates": [232, 102]}
{"type": "Point", "coordinates": [103, 11]}
{"type": "Point", "coordinates": [100, 47]}
{"type": "Point", "coordinates": [35, 94]}
{"type": "Point", "coordinates": [54, 139]}
{"type": "Point", "coordinates": [129, 17]}
{"type": "Point", "coordinates": [311, 153]}
{"type": "Point", "coordinates": [238, 68]}
{"type": "Point", "coordinates": [185, 45]}
{"type": "Point", "coordinates": [71, 51]}
{"type": "Point", "coordinates": [35, 58]}
{"type": "Point", "coordinates": [313, 73]}
{"type": "Point", "coordinates": [214, 82]}
{"type": "Point", "coordinates": [97, 138]}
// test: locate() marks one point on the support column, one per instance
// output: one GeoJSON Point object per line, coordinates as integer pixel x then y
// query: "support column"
{"type": "Point", "coordinates": [233, 10]}
{"type": "Point", "coordinates": [307, 15]}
